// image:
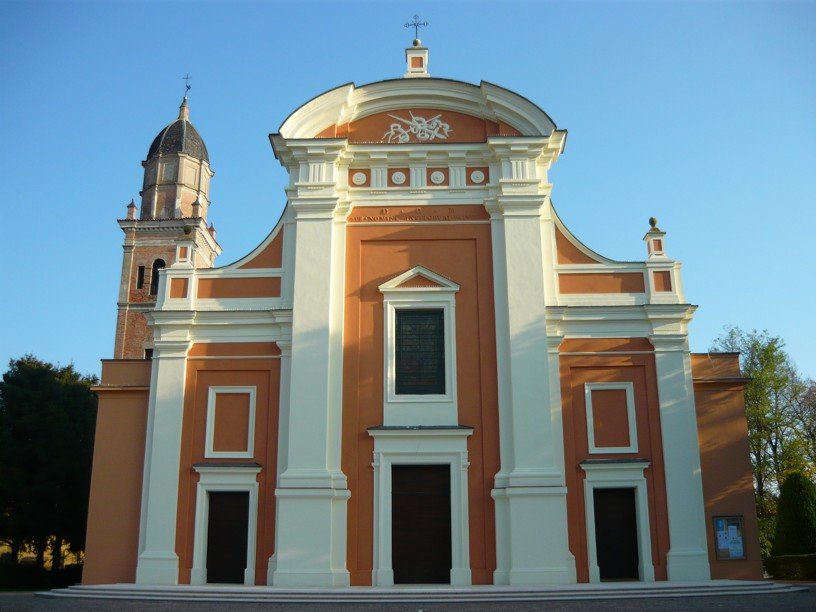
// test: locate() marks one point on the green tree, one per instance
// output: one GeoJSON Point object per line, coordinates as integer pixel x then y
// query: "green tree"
{"type": "Point", "coordinates": [47, 421]}
{"type": "Point", "coordinates": [772, 398]}
{"type": "Point", "coordinates": [796, 522]}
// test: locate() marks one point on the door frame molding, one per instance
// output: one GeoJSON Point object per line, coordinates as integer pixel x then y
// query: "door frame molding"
{"type": "Point", "coordinates": [420, 446]}
{"type": "Point", "coordinates": [618, 474]}
{"type": "Point", "coordinates": [234, 478]}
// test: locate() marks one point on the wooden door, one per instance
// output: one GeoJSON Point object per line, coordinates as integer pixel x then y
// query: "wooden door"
{"type": "Point", "coordinates": [616, 537]}
{"type": "Point", "coordinates": [227, 526]}
{"type": "Point", "coordinates": [421, 524]}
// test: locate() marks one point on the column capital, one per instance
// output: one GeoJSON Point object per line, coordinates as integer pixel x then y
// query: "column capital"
{"type": "Point", "coordinates": [554, 342]}
{"type": "Point", "coordinates": [669, 342]}
{"type": "Point", "coordinates": [285, 347]}
{"type": "Point", "coordinates": [170, 349]}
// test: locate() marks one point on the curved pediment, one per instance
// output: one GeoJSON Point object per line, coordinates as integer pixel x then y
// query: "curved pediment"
{"type": "Point", "coordinates": [409, 111]}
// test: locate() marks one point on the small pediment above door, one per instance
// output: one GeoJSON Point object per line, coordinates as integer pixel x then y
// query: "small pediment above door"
{"type": "Point", "coordinates": [419, 278]}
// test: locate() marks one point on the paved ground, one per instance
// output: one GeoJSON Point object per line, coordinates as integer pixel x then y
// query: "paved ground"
{"type": "Point", "coordinates": [802, 601]}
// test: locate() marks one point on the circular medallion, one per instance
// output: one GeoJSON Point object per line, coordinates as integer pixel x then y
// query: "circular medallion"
{"type": "Point", "coordinates": [437, 178]}
{"type": "Point", "coordinates": [359, 178]}
{"type": "Point", "coordinates": [398, 178]}
{"type": "Point", "coordinates": [477, 176]}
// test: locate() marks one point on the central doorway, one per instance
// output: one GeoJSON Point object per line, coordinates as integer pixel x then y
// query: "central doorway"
{"type": "Point", "coordinates": [616, 533]}
{"type": "Point", "coordinates": [421, 524]}
{"type": "Point", "coordinates": [227, 529]}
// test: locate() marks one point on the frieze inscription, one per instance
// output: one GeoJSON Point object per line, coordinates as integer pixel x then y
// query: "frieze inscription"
{"type": "Point", "coordinates": [418, 214]}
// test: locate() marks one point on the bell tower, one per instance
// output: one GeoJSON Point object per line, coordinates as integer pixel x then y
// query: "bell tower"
{"type": "Point", "coordinates": [169, 228]}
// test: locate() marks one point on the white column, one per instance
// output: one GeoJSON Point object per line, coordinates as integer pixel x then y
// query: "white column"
{"type": "Point", "coordinates": [531, 510]}
{"type": "Point", "coordinates": [530, 493]}
{"type": "Point", "coordinates": [312, 492]}
{"type": "Point", "coordinates": [688, 555]}
{"type": "Point", "coordinates": [158, 561]}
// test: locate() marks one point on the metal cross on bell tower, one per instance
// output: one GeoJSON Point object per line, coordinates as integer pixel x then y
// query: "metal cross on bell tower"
{"type": "Point", "coordinates": [416, 56]}
{"type": "Point", "coordinates": [416, 24]}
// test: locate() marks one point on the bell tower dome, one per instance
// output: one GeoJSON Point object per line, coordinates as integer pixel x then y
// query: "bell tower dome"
{"type": "Point", "coordinates": [168, 229]}
{"type": "Point", "coordinates": [177, 171]}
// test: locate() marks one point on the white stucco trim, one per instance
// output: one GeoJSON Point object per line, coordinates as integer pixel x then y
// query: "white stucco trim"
{"type": "Point", "coordinates": [217, 479]}
{"type": "Point", "coordinates": [619, 475]}
{"type": "Point", "coordinates": [212, 395]}
{"type": "Point", "coordinates": [630, 417]}
{"type": "Point", "coordinates": [415, 446]}
{"type": "Point", "coordinates": [411, 410]}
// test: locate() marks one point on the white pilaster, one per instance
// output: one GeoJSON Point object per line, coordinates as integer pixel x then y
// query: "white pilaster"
{"type": "Point", "coordinates": [312, 490]}
{"type": "Point", "coordinates": [688, 556]}
{"type": "Point", "coordinates": [158, 561]}
{"type": "Point", "coordinates": [531, 509]}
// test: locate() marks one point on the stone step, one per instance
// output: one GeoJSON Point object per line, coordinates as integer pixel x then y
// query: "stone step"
{"type": "Point", "coordinates": [409, 594]}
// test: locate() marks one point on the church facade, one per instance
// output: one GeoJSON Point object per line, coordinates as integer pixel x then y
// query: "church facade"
{"type": "Point", "coordinates": [419, 376]}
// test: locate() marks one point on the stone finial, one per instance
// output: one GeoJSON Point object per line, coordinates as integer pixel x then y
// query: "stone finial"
{"type": "Point", "coordinates": [131, 209]}
{"type": "Point", "coordinates": [211, 229]}
{"type": "Point", "coordinates": [655, 239]}
{"type": "Point", "coordinates": [196, 209]}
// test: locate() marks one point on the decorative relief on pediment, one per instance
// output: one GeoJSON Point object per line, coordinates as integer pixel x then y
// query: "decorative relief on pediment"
{"type": "Point", "coordinates": [418, 125]}
{"type": "Point", "coordinates": [418, 129]}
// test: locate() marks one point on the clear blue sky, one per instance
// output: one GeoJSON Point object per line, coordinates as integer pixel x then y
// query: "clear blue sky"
{"type": "Point", "coordinates": [702, 114]}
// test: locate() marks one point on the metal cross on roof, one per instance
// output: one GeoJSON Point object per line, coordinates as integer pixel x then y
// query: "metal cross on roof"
{"type": "Point", "coordinates": [416, 24]}
{"type": "Point", "coordinates": [187, 78]}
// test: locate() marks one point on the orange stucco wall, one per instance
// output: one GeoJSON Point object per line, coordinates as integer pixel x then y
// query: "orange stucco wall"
{"type": "Point", "coordinates": [375, 254]}
{"type": "Point", "coordinates": [606, 366]}
{"type": "Point", "coordinates": [178, 287]}
{"type": "Point", "coordinates": [270, 257]}
{"type": "Point", "coordinates": [216, 365]}
{"type": "Point", "coordinates": [116, 482]}
{"type": "Point", "coordinates": [261, 287]}
{"type": "Point", "coordinates": [601, 282]}
{"type": "Point", "coordinates": [610, 422]}
{"type": "Point", "coordinates": [567, 252]}
{"type": "Point", "coordinates": [724, 455]}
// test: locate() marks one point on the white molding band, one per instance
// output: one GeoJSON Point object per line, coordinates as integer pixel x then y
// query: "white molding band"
{"type": "Point", "coordinates": [417, 446]}
{"type": "Point", "coordinates": [630, 417]}
{"type": "Point", "coordinates": [439, 409]}
{"type": "Point", "coordinates": [212, 479]}
{"type": "Point", "coordinates": [212, 398]}
{"type": "Point", "coordinates": [619, 475]}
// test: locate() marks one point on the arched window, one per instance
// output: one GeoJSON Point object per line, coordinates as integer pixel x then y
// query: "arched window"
{"type": "Point", "coordinates": [154, 277]}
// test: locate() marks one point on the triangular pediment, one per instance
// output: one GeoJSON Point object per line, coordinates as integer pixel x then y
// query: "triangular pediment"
{"type": "Point", "coordinates": [419, 278]}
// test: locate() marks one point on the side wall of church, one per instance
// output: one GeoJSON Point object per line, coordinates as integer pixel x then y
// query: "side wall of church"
{"type": "Point", "coordinates": [375, 254]}
{"type": "Point", "coordinates": [224, 365]}
{"type": "Point", "coordinates": [116, 482]}
{"type": "Point", "coordinates": [728, 485]}
{"type": "Point", "coordinates": [622, 360]}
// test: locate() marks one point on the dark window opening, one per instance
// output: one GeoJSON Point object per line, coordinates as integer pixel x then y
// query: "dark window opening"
{"type": "Point", "coordinates": [148, 354]}
{"type": "Point", "coordinates": [154, 278]}
{"type": "Point", "coordinates": [420, 352]}
{"type": "Point", "coordinates": [140, 277]}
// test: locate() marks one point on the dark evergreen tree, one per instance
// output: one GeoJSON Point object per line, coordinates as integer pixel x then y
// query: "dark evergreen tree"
{"type": "Point", "coordinates": [47, 421]}
{"type": "Point", "coordinates": [796, 519]}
